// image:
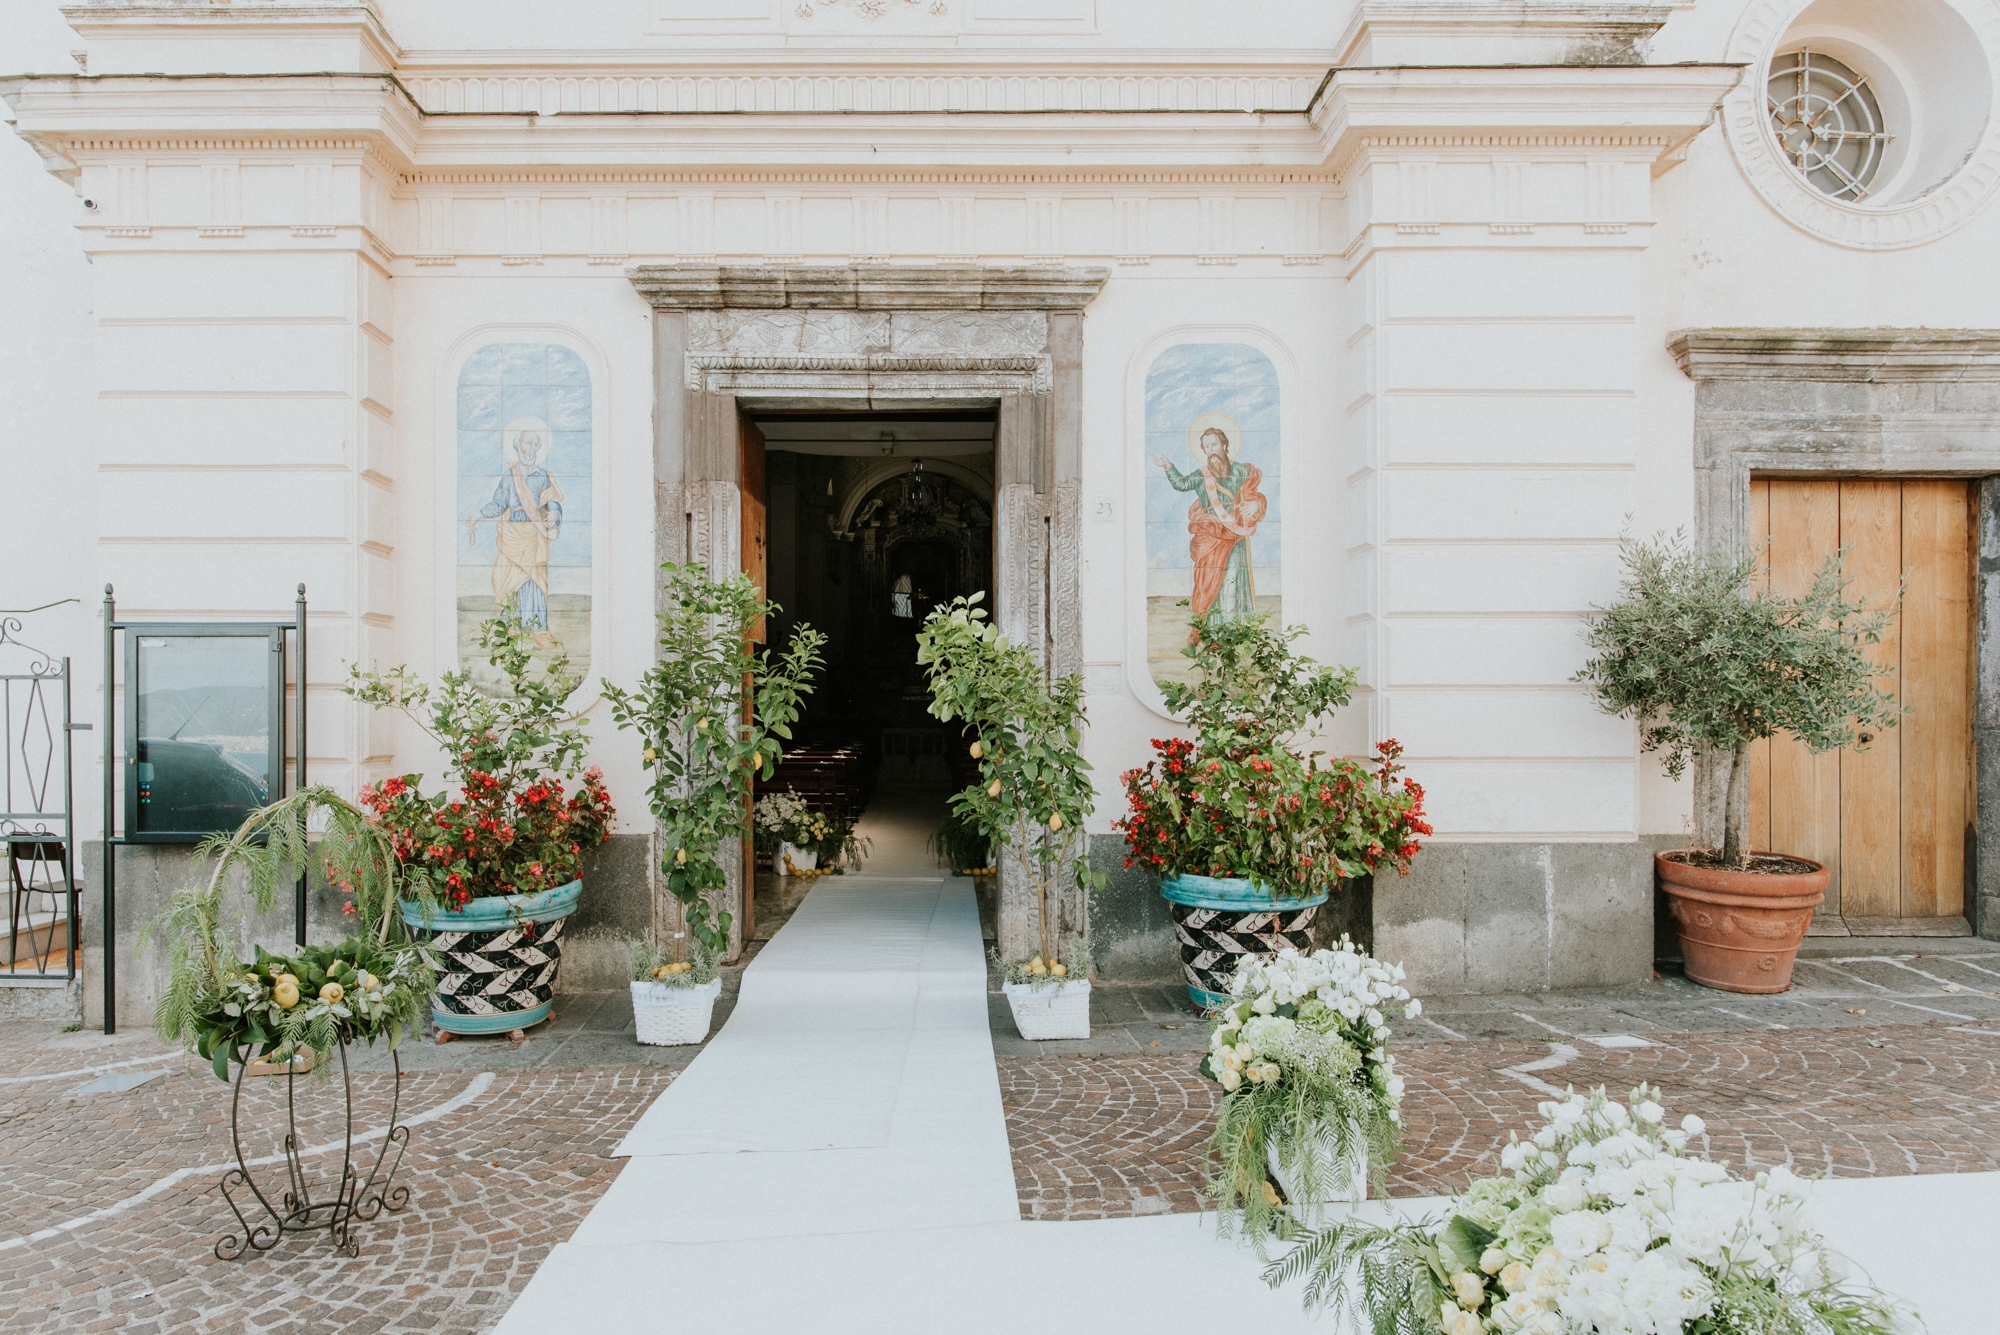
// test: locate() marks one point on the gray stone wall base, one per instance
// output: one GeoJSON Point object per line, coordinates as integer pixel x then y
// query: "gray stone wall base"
{"type": "Point", "coordinates": [1468, 918]}
{"type": "Point", "coordinates": [1506, 917]}
{"type": "Point", "coordinates": [63, 1003]}
{"type": "Point", "coordinates": [616, 906]}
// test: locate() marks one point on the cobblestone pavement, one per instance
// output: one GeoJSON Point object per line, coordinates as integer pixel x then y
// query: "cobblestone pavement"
{"type": "Point", "coordinates": [497, 1181]}
{"type": "Point", "coordinates": [1117, 1135]}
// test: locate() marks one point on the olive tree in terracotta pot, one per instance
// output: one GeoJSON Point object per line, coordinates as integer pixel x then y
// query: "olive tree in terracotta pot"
{"type": "Point", "coordinates": [1704, 661]}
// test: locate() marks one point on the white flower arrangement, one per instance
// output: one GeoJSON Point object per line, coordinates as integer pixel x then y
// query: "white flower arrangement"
{"type": "Point", "coordinates": [785, 818]}
{"type": "Point", "coordinates": [1600, 1223]}
{"type": "Point", "coordinates": [1299, 1054]}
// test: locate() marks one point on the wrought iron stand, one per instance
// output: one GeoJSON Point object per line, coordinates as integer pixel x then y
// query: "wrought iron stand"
{"type": "Point", "coordinates": [355, 1199]}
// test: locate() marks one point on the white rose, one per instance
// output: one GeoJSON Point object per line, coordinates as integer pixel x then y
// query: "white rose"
{"type": "Point", "coordinates": [1650, 1112]}
{"type": "Point", "coordinates": [1264, 1005]}
{"type": "Point", "coordinates": [1514, 1277]}
{"type": "Point", "coordinates": [1469, 1289]}
{"type": "Point", "coordinates": [1565, 1197]}
{"type": "Point", "coordinates": [1492, 1260]}
{"type": "Point", "coordinates": [1231, 1081]}
{"type": "Point", "coordinates": [1579, 1234]}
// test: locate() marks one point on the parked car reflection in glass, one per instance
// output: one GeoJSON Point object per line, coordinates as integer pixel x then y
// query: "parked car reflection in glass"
{"type": "Point", "coordinates": [194, 786]}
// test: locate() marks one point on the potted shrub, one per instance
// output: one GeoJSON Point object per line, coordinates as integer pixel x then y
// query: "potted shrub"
{"type": "Point", "coordinates": [702, 748]}
{"type": "Point", "coordinates": [673, 1000]}
{"type": "Point", "coordinates": [1247, 834]}
{"type": "Point", "coordinates": [961, 845]}
{"type": "Point", "coordinates": [1702, 661]}
{"type": "Point", "coordinates": [1309, 1093]}
{"type": "Point", "coordinates": [1031, 798]}
{"type": "Point", "coordinates": [495, 870]}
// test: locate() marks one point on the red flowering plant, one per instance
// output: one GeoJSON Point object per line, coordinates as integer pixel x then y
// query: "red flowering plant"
{"type": "Point", "coordinates": [514, 827]}
{"type": "Point", "coordinates": [1240, 799]}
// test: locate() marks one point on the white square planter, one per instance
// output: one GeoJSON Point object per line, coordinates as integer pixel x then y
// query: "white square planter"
{"type": "Point", "coordinates": [666, 1016]}
{"type": "Point", "coordinates": [800, 860]}
{"type": "Point", "coordinates": [1052, 1010]}
{"type": "Point", "coordinates": [1337, 1186]}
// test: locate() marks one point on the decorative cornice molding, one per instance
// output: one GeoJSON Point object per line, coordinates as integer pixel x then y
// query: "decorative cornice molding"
{"type": "Point", "coordinates": [1848, 355]}
{"type": "Point", "coordinates": [944, 176]}
{"type": "Point", "coordinates": [871, 287]}
{"type": "Point", "coordinates": [1031, 90]}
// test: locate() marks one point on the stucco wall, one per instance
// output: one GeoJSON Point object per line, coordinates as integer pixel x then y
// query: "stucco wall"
{"type": "Point", "coordinates": [248, 382]}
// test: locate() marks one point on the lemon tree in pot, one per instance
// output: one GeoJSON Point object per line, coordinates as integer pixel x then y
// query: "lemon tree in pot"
{"type": "Point", "coordinates": [500, 863]}
{"type": "Point", "coordinates": [1704, 661]}
{"type": "Point", "coordinates": [1032, 796]}
{"type": "Point", "coordinates": [1248, 833]}
{"type": "Point", "coordinates": [702, 751]}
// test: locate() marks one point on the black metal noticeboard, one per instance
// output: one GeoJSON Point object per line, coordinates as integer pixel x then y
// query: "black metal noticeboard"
{"type": "Point", "coordinates": [203, 742]}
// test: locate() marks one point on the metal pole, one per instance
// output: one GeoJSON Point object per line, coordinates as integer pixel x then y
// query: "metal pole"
{"type": "Point", "coordinates": [110, 797]}
{"type": "Point", "coordinates": [72, 947]}
{"type": "Point", "coordinates": [299, 891]}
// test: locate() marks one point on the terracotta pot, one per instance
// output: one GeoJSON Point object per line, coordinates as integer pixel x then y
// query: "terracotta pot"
{"type": "Point", "coordinates": [1740, 930]}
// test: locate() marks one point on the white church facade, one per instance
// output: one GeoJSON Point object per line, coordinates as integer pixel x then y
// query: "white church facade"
{"type": "Point", "coordinates": [321, 292]}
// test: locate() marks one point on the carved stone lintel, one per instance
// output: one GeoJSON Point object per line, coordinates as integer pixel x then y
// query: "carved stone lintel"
{"type": "Point", "coordinates": [867, 287]}
{"type": "Point", "coordinates": [1837, 354]}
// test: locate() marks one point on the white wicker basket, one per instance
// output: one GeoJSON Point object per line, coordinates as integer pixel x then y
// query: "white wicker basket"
{"type": "Point", "coordinates": [1348, 1182]}
{"type": "Point", "coordinates": [798, 857]}
{"type": "Point", "coordinates": [666, 1016]}
{"type": "Point", "coordinates": [1053, 1010]}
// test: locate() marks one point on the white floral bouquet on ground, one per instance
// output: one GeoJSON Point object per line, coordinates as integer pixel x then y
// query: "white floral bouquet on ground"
{"type": "Point", "coordinates": [1600, 1224]}
{"type": "Point", "coordinates": [784, 818]}
{"type": "Point", "coordinates": [1306, 1080]}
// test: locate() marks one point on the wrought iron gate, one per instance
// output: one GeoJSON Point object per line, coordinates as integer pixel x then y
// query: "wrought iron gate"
{"type": "Point", "coordinates": [37, 814]}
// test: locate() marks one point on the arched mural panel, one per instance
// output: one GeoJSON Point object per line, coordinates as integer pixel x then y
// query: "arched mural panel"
{"type": "Point", "coordinates": [1213, 517]}
{"type": "Point", "coordinates": [524, 498]}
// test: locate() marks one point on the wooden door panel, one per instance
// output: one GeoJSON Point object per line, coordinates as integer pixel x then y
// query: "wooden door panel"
{"type": "Point", "coordinates": [751, 487]}
{"type": "Point", "coordinates": [1760, 751]}
{"type": "Point", "coordinates": [1891, 819]}
{"type": "Point", "coordinates": [1805, 521]}
{"type": "Point", "coordinates": [1871, 524]}
{"type": "Point", "coordinates": [1936, 690]}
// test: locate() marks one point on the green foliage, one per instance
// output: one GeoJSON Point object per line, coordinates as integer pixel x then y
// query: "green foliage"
{"type": "Point", "coordinates": [700, 752]}
{"type": "Point", "coordinates": [1239, 801]}
{"type": "Point", "coordinates": [1701, 660]}
{"type": "Point", "coordinates": [1254, 692]}
{"type": "Point", "coordinates": [517, 737]}
{"type": "Point", "coordinates": [960, 844]}
{"type": "Point", "coordinates": [1034, 788]}
{"type": "Point", "coordinates": [223, 1007]}
{"type": "Point", "coordinates": [512, 829]}
{"type": "Point", "coordinates": [1363, 1268]}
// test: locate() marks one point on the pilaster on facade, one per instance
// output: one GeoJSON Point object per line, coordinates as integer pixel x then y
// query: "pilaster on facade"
{"type": "Point", "coordinates": [1491, 430]}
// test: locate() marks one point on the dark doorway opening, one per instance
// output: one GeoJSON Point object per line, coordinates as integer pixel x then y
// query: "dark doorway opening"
{"type": "Point", "coordinates": [869, 521]}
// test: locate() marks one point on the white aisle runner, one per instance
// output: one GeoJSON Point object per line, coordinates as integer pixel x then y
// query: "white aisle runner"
{"type": "Point", "coordinates": [836, 1160]}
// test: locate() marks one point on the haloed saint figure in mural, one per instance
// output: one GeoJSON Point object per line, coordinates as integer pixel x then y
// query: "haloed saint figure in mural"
{"type": "Point", "coordinates": [1223, 516]}
{"type": "Point", "coordinates": [527, 513]}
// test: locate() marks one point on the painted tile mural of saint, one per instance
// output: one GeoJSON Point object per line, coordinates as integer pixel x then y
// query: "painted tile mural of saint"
{"type": "Point", "coordinates": [524, 475]}
{"type": "Point", "coordinates": [1212, 519]}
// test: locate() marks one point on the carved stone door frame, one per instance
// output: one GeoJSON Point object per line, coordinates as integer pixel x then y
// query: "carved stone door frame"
{"type": "Point", "coordinates": [880, 337]}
